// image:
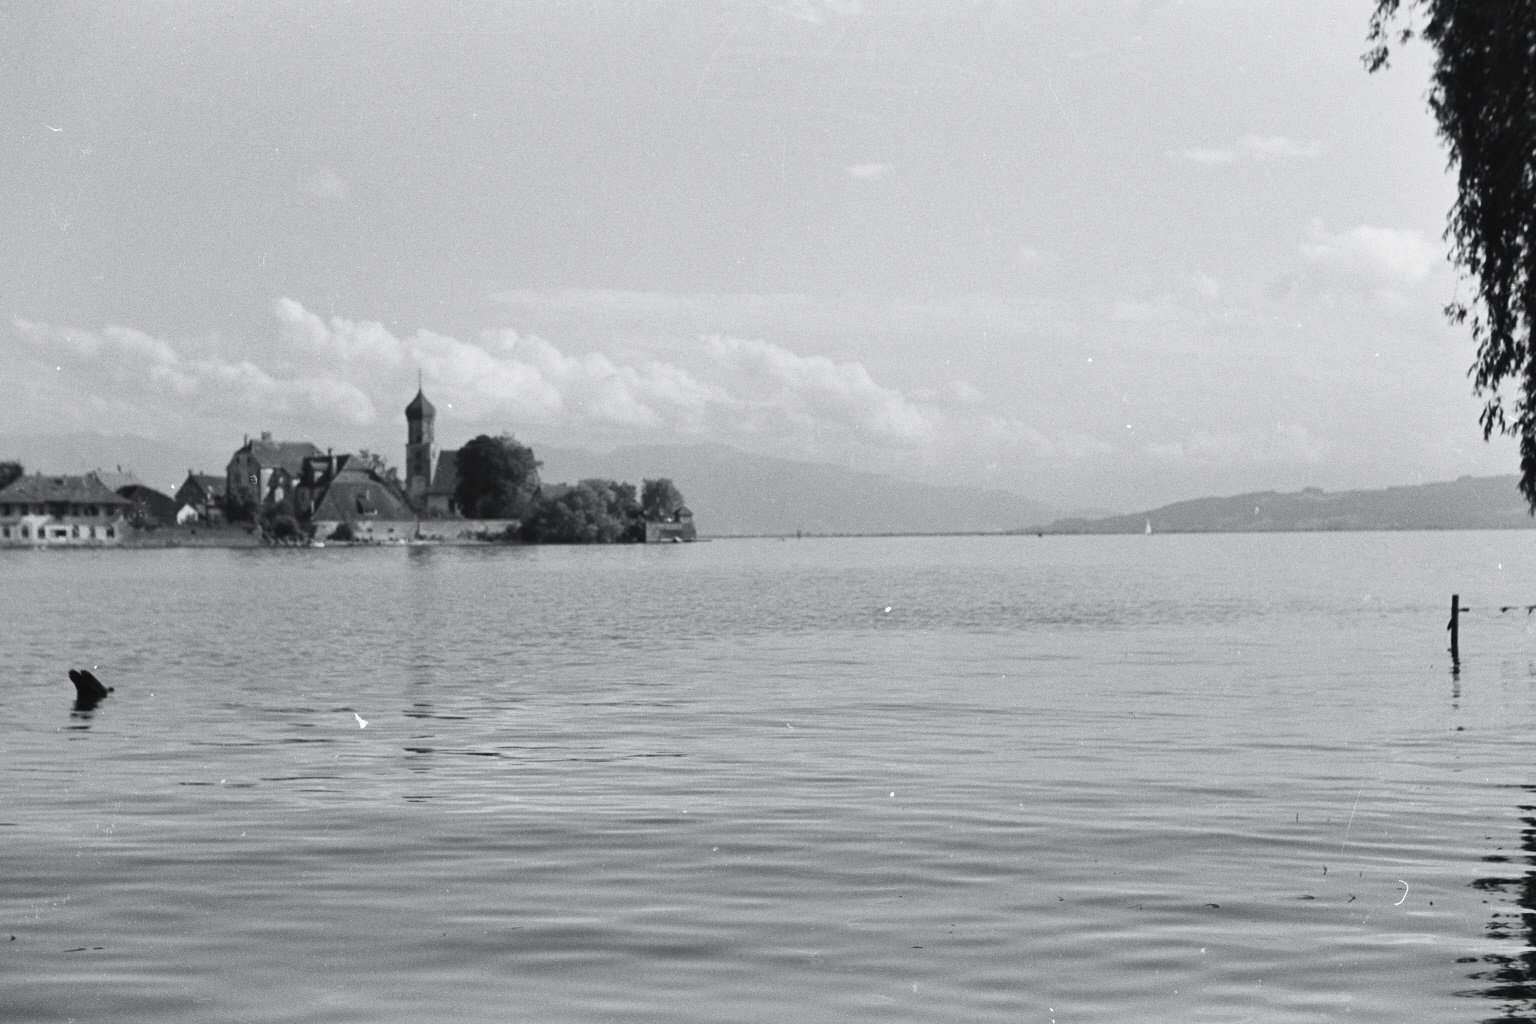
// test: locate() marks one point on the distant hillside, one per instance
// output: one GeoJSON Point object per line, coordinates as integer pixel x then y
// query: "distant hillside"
{"type": "Point", "coordinates": [1470, 503]}
{"type": "Point", "coordinates": [733, 493]}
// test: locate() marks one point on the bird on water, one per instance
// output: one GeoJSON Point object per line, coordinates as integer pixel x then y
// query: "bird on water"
{"type": "Point", "coordinates": [88, 689]}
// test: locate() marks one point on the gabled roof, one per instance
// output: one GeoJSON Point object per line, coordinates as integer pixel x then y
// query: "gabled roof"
{"type": "Point", "coordinates": [316, 469]}
{"type": "Point", "coordinates": [211, 486]}
{"type": "Point", "coordinates": [43, 487]}
{"type": "Point", "coordinates": [289, 455]}
{"type": "Point", "coordinates": [355, 494]}
{"type": "Point", "coordinates": [446, 479]}
{"type": "Point", "coordinates": [116, 481]}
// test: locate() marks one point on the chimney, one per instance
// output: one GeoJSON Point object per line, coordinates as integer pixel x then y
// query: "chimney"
{"type": "Point", "coordinates": [266, 435]}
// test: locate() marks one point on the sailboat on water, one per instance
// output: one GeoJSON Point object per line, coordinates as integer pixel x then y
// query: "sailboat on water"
{"type": "Point", "coordinates": [1149, 525]}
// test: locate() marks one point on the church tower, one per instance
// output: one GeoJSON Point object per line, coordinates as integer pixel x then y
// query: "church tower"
{"type": "Point", "coordinates": [419, 419]}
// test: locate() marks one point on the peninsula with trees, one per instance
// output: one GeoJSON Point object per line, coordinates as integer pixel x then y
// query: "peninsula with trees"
{"type": "Point", "coordinates": [291, 492]}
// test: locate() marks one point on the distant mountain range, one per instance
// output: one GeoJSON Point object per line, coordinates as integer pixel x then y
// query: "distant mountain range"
{"type": "Point", "coordinates": [730, 492]}
{"type": "Point", "coordinates": [733, 493]}
{"type": "Point", "coordinates": [1470, 503]}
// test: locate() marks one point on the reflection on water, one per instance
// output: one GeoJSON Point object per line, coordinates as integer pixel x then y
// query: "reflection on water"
{"type": "Point", "coordinates": [1510, 978]}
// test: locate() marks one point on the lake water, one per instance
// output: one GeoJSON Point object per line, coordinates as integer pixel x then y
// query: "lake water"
{"type": "Point", "coordinates": [1169, 778]}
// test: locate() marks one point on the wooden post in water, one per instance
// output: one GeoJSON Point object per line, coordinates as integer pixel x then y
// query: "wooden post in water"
{"type": "Point", "coordinates": [1453, 626]}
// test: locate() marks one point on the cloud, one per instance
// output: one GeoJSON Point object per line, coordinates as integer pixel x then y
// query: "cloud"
{"type": "Point", "coordinates": [818, 12]}
{"type": "Point", "coordinates": [733, 387]}
{"type": "Point", "coordinates": [1251, 149]}
{"type": "Point", "coordinates": [1278, 147]}
{"type": "Point", "coordinates": [344, 339]}
{"type": "Point", "coordinates": [1282, 443]}
{"type": "Point", "coordinates": [812, 390]}
{"type": "Point", "coordinates": [328, 184]}
{"type": "Point", "coordinates": [963, 393]}
{"type": "Point", "coordinates": [1380, 255]}
{"type": "Point", "coordinates": [1028, 258]}
{"type": "Point", "coordinates": [787, 314]}
{"type": "Point", "coordinates": [869, 172]}
{"type": "Point", "coordinates": [345, 381]}
{"type": "Point", "coordinates": [1206, 157]}
{"type": "Point", "coordinates": [130, 366]}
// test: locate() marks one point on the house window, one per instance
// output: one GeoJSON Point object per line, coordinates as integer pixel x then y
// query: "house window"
{"type": "Point", "coordinates": [74, 531]}
{"type": "Point", "coordinates": [5, 510]}
{"type": "Point", "coordinates": [111, 532]}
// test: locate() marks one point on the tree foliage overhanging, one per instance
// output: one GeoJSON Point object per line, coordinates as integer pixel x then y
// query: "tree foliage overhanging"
{"type": "Point", "coordinates": [1483, 95]}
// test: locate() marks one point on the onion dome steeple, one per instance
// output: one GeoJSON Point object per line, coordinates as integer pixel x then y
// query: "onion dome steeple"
{"type": "Point", "coordinates": [420, 408]}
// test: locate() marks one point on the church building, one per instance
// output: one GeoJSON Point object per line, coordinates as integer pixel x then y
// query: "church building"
{"type": "Point", "coordinates": [420, 420]}
{"type": "Point", "coordinates": [430, 493]}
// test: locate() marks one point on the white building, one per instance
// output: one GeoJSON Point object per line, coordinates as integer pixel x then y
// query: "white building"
{"type": "Point", "coordinates": [42, 509]}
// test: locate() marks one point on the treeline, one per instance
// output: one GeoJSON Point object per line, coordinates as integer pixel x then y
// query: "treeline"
{"type": "Point", "coordinates": [498, 478]}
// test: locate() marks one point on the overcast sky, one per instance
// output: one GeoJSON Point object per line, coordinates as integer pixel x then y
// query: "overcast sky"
{"type": "Point", "coordinates": [1099, 252]}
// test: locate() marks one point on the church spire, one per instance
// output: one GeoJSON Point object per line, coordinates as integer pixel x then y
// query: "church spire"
{"type": "Point", "coordinates": [420, 418]}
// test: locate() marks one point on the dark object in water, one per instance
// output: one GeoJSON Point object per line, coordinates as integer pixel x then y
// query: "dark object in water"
{"type": "Point", "coordinates": [88, 689]}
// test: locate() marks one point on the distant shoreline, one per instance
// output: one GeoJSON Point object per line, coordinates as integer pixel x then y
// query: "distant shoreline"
{"type": "Point", "coordinates": [233, 539]}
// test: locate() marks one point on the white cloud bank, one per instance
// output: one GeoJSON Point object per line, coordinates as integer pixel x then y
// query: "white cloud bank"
{"type": "Point", "coordinates": [1387, 256]}
{"type": "Point", "coordinates": [733, 388]}
{"type": "Point", "coordinates": [339, 381]}
{"type": "Point", "coordinates": [130, 367]}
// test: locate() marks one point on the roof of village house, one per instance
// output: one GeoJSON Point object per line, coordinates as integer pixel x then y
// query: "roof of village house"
{"type": "Point", "coordinates": [46, 487]}
{"type": "Point", "coordinates": [213, 486]}
{"type": "Point", "coordinates": [117, 481]}
{"type": "Point", "coordinates": [446, 479]}
{"type": "Point", "coordinates": [354, 494]}
{"type": "Point", "coordinates": [289, 455]}
{"type": "Point", "coordinates": [316, 469]}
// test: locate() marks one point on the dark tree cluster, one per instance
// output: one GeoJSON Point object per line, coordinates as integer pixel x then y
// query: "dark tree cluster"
{"type": "Point", "coordinates": [660, 500]}
{"type": "Point", "coordinates": [498, 478]}
{"type": "Point", "coordinates": [1483, 95]}
{"type": "Point", "coordinates": [592, 512]}
{"type": "Point", "coordinates": [239, 507]}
